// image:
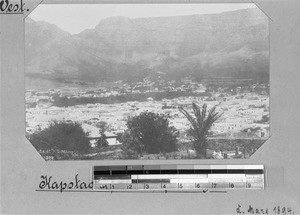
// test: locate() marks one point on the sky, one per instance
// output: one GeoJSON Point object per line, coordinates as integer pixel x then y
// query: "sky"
{"type": "Point", "coordinates": [75, 18]}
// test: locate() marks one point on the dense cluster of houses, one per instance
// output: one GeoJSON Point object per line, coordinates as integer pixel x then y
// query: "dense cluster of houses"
{"type": "Point", "coordinates": [240, 111]}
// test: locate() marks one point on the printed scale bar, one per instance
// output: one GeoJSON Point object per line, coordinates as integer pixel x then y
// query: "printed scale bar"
{"type": "Point", "coordinates": [168, 177]}
{"type": "Point", "coordinates": [178, 169]}
{"type": "Point", "coordinates": [172, 176]}
{"type": "Point", "coordinates": [183, 179]}
{"type": "Point", "coordinates": [167, 186]}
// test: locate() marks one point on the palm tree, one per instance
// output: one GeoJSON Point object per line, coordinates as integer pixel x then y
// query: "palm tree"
{"type": "Point", "coordinates": [200, 126]}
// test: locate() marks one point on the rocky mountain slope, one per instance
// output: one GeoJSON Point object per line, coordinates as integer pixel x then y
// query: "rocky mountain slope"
{"type": "Point", "coordinates": [231, 44]}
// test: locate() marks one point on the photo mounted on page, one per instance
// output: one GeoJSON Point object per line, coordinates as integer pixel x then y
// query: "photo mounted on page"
{"type": "Point", "coordinates": [147, 81]}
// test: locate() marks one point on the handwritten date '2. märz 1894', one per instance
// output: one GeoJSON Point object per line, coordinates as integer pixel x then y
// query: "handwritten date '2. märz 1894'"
{"type": "Point", "coordinates": [275, 210]}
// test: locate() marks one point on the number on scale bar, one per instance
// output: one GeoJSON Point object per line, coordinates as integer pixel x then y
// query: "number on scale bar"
{"type": "Point", "coordinates": [148, 186]}
{"type": "Point", "coordinates": [103, 187]}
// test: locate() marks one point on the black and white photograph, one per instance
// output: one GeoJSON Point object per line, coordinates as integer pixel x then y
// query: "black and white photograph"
{"type": "Point", "coordinates": [149, 107]}
{"type": "Point", "coordinates": [147, 81]}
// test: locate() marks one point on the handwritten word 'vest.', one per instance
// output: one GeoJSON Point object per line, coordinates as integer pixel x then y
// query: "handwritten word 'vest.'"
{"type": "Point", "coordinates": [48, 184]}
{"type": "Point", "coordinates": [6, 7]}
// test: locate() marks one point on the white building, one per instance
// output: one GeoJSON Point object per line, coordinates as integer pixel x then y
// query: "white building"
{"type": "Point", "coordinates": [94, 135]}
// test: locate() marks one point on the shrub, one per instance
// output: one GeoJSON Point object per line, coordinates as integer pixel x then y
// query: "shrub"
{"type": "Point", "coordinates": [149, 133]}
{"type": "Point", "coordinates": [61, 135]}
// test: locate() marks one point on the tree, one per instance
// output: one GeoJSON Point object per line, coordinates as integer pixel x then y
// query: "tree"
{"type": "Point", "coordinates": [149, 133]}
{"type": "Point", "coordinates": [61, 135]}
{"type": "Point", "coordinates": [103, 126]}
{"type": "Point", "coordinates": [102, 142]}
{"type": "Point", "coordinates": [200, 126]}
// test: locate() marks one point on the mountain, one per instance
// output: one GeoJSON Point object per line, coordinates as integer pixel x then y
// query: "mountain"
{"type": "Point", "coordinates": [231, 44]}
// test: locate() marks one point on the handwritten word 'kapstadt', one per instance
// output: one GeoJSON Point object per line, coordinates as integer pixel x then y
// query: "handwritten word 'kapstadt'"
{"type": "Point", "coordinates": [48, 184]}
{"type": "Point", "coordinates": [6, 7]}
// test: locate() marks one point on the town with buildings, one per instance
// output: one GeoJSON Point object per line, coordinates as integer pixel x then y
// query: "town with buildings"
{"type": "Point", "coordinates": [244, 107]}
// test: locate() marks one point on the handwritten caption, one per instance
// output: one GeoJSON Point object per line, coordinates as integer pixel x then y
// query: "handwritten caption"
{"type": "Point", "coordinates": [6, 7]}
{"type": "Point", "coordinates": [282, 210]}
{"type": "Point", "coordinates": [48, 183]}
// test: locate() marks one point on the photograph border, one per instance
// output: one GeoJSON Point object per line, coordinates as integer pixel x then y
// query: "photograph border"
{"type": "Point", "coordinates": [218, 161]}
{"type": "Point", "coordinates": [22, 167]}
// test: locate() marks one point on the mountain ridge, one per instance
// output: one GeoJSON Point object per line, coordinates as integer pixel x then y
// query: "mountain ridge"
{"type": "Point", "coordinates": [234, 44]}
